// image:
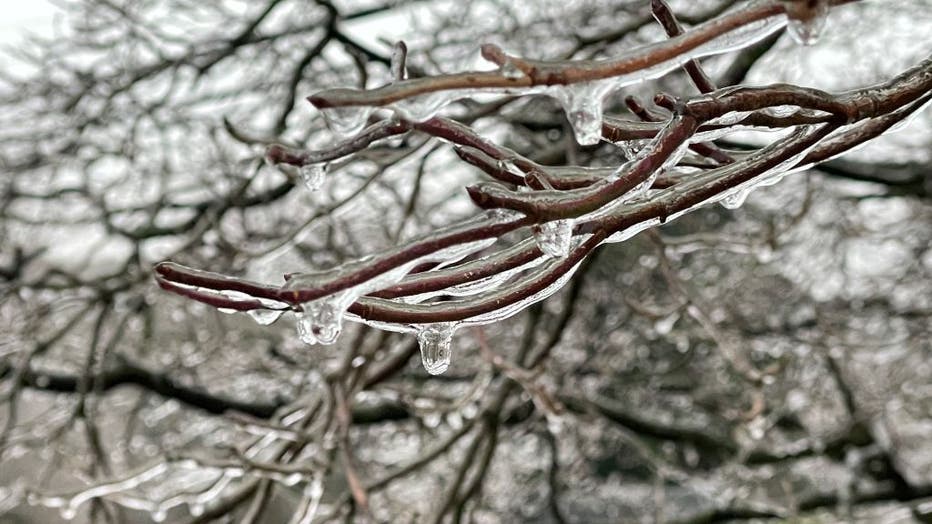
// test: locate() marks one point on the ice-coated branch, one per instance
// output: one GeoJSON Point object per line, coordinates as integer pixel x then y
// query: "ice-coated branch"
{"type": "Point", "coordinates": [566, 72]}
{"type": "Point", "coordinates": [459, 275]}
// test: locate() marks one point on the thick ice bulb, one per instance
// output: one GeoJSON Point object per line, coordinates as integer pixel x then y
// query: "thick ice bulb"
{"type": "Point", "coordinates": [436, 343]}
{"type": "Point", "coordinates": [322, 320]}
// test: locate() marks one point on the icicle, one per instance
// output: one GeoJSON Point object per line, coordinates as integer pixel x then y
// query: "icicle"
{"type": "Point", "coordinates": [735, 199]}
{"type": "Point", "coordinates": [435, 341]}
{"type": "Point", "coordinates": [264, 317]}
{"type": "Point", "coordinates": [554, 237]}
{"type": "Point", "coordinates": [346, 121]}
{"type": "Point", "coordinates": [313, 175]}
{"type": "Point", "coordinates": [583, 106]}
{"type": "Point", "coordinates": [806, 20]}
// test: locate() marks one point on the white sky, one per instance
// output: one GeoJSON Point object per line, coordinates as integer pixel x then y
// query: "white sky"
{"type": "Point", "coordinates": [20, 17]}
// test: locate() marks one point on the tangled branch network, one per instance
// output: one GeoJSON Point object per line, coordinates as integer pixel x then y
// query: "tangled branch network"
{"type": "Point", "coordinates": [434, 285]}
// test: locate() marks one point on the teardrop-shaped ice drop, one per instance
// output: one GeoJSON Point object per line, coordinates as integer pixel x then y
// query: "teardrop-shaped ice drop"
{"type": "Point", "coordinates": [806, 20]}
{"type": "Point", "coordinates": [346, 121]}
{"type": "Point", "coordinates": [313, 175]}
{"type": "Point", "coordinates": [436, 343]}
{"type": "Point", "coordinates": [265, 317]}
{"type": "Point", "coordinates": [735, 200]}
{"type": "Point", "coordinates": [553, 238]}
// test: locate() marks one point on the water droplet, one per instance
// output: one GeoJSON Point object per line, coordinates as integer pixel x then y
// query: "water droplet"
{"type": "Point", "coordinates": [806, 20]}
{"type": "Point", "coordinates": [554, 238]}
{"type": "Point", "coordinates": [313, 175]}
{"type": "Point", "coordinates": [346, 121]}
{"type": "Point", "coordinates": [322, 320]}
{"type": "Point", "coordinates": [735, 200]}
{"type": "Point", "coordinates": [264, 317]}
{"type": "Point", "coordinates": [68, 512]}
{"type": "Point", "coordinates": [435, 341]}
{"type": "Point", "coordinates": [196, 509]}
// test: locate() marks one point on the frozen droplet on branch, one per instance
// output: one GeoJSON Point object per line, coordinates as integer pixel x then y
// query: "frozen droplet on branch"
{"type": "Point", "coordinates": [264, 317]}
{"type": "Point", "coordinates": [806, 20]}
{"type": "Point", "coordinates": [554, 237]}
{"type": "Point", "coordinates": [313, 175]}
{"type": "Point", "coordinates": [346, 121]}
{"type": "Point", "coordinates": [322, 320]}
{"type": "Point", "coordinates": [436, 343]}
{"type": "Point", "coordinates": [510, 70]}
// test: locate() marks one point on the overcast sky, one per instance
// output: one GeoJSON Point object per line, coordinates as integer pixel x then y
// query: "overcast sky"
{"type": "Point", "coordinates": [19, 17]}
